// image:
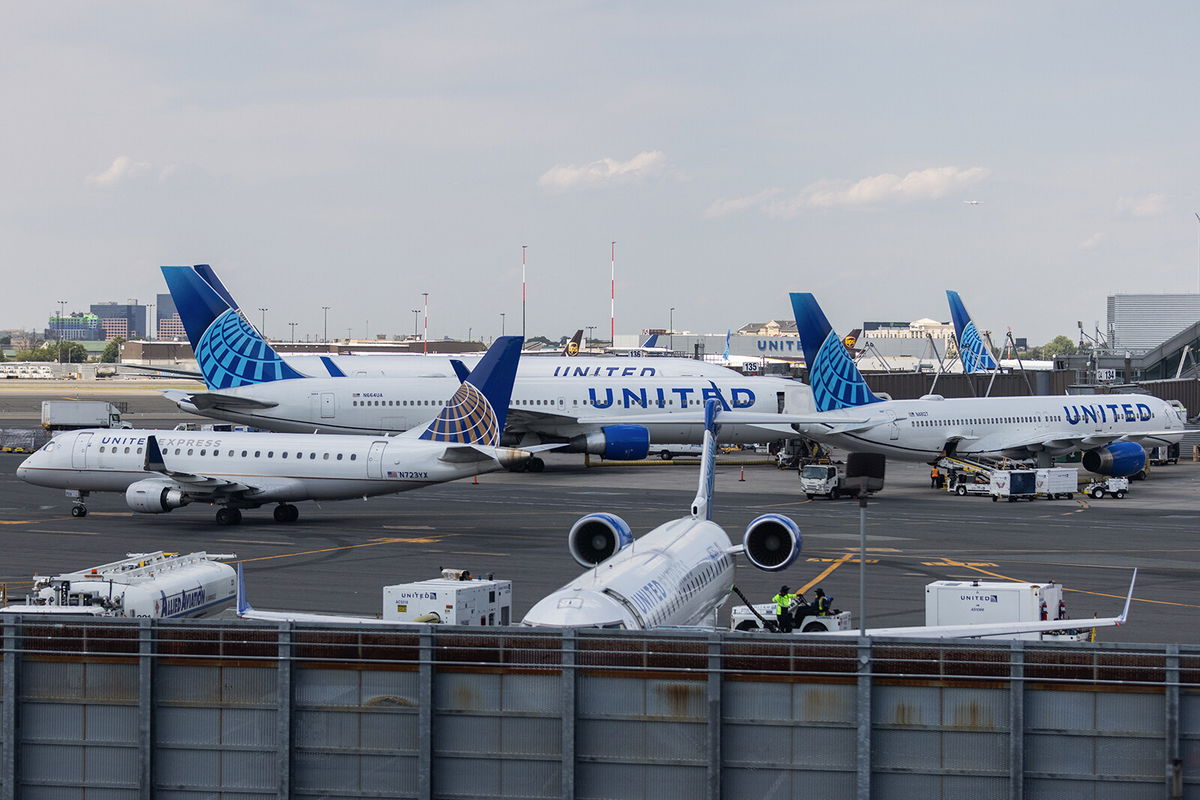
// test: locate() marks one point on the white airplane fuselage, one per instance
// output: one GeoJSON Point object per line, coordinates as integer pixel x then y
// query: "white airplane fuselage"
{"type": "Point", "coordinates": [919, 430]}
{"type": "Point", "coordinates": [680, 573]}
{"type": "Point", "coordinates": [281, 467]}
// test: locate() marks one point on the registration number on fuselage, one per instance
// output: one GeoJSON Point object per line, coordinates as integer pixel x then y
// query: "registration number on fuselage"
{"type": "Point", "coordinates": [415, 475]}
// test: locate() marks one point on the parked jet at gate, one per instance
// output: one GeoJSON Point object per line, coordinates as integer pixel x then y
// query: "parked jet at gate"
{"type": "Point", "coordinates": [162, 470]}
{"type": "Point", "coordinates": [972, 350]}
{"type": "Point", "coordinates": [250, 383]}
{"type": "Point", "coordinates": [1109, 429]}
{"type": "Point", "coordinates": [677, 574]}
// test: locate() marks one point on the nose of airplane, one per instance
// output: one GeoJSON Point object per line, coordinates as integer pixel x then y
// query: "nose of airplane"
{"type": "Point", "coordinates": [23, 469]}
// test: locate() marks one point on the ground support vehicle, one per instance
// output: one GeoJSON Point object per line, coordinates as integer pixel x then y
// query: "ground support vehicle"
{"type": "Point", "coordinates": [453, 599]}
{"type": "Point", "coordinates": [1112, 487]}
{"type": "Point", "coordinates": [826, 480]}
{"type": "Point", "coordinates": [979, 602]}
{"type": "Point", "coordinates": [742, 618]}
{"type": "Point", "coordinates": [965, 483]}
{"type": "Point", "coordinates": [1164, 454]}
{"type": "Point", "coordinates": [67, 415]}
{"type": "Point", "coordinates": [1014, 484]}
{"type": "Point", "coordinates": [1057, 482]}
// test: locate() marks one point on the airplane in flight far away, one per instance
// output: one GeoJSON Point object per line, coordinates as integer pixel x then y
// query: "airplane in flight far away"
{"type": "Point", "coordinates": [162, 470]}
{"type": "Point", "coordinates": [248, 382]}
{"type": "Point", "coordinates": [1108, 429]}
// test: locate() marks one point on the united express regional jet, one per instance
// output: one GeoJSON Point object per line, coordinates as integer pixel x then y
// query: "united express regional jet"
{"type": "Point", "coordinates": [163, 470]}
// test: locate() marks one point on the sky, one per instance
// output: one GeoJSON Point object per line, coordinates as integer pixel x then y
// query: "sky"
{"type": "Point", "coordinates": [357, 155]}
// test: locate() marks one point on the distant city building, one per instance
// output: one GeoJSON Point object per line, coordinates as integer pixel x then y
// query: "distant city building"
{"type": "Point", "coordinates": [909, 330]}
{"type": "Point", "coordinates": [134, 316]}
{"type": "Point", "coordinates": [1141, 322]}
{"type": "Point", "coordinates": [774, 327]}
{"type": "Point", "coordinates": [167, 324]}
{"type": "Point", "coordinates": [112, 327]}
{"type": "Point", "coordinates": [74, 327]}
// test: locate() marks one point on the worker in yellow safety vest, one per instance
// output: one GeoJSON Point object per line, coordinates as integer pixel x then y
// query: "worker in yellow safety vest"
{"type": "Point", "coordinates": [783, 608]}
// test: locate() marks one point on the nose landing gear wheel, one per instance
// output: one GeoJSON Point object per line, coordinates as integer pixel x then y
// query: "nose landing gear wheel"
{"type": "Point", "coordinates": [79, 511]}
{"type": "Point", "coordinates": [228, 516]}
{"type": "Point", "coordinates": [285, 512]}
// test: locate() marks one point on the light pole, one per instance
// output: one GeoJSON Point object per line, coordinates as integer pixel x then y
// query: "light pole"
{"type": "Point", "coordinates": [671, 328]}
{"type": "Point", "coordinates": [468, 334]}
{"type": "Point", "coordinates": [62, 325]}
{"type": "Point", "coordinates": [1197, 249]}
{"type": "Point", "coordinates": [326, 334]}
{"type": "Point", "coordinates": [591, 334]}
{"type": "Point", "coordinates": [263, 330]}
{"type": "Point", "coordinates": [293, 331]}
{"type": "Point", "coordinates": [416, 322]}
{"type": "Point", "coordinates": [149, 319]}
{"type": "Point", "coordinates": [501, 323]}
{"type": "Point", "coordinates": [425, 342]}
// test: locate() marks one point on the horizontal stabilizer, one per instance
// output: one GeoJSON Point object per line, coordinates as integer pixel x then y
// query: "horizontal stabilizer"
{"type": "Point", "coordinates": [206, 400]}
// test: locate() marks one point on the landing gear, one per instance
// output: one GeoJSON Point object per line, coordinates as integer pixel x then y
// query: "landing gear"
{"type": "Point", "coordinates": [79, 510]}
{"type": "Point", "coordinates": [79, 496]}
{"type": "Point", "coordinates": [285, 512]}
{"type": "Point", "coordinates": [536, 465]}
{"type": "Point", "coordinates": [227, 515]}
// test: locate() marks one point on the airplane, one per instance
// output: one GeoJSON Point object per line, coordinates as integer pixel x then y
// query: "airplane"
{"type": "Point", "coordinates": [159, 471]}
{"type": "Point", "coordinates": [1108, 429]}
{"type": "Point", "coordinates": [247, 611]}
{"type": "Point", "coordinates": [572, 347]}
{"type": "Point", "coordinates": [680, 573]}
{"type": "Point", "coordinates": [972, 350]}
{"type": "Point", "coordinates": [648, 347]}
{"type": "Point", "coordinates": [249, 383]}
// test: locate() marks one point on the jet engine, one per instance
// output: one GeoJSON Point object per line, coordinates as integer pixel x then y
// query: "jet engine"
{"type": "Point", "coordinates": [597, 537]}
{"type": "Point", "coordinates": [155, 497]}
{"type": "Point", "coordinates": [617, 442]}
{"type": "Point", "coordinates": [1119, 459]}
{"type": "Point", "coordinates": [772, 542]}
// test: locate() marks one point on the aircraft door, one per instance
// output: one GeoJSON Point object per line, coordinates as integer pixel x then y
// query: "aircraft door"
{"type": "Point", "coordinates": [328, 405]}
{"type": "Point", "coordinates": [79, 454]}
{"type": "Point", "coordinates": [314, 404]}
{"type": "Point", "coordinates": [375, 460]}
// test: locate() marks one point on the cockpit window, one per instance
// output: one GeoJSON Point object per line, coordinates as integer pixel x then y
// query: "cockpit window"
{"type": "Point", "coordinates": [49, 446]}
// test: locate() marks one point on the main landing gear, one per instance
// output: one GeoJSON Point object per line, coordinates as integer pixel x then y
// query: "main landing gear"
{"type": "Point", "coordinates": [79, 510]}
{"type": "Point", "coordinates": [228, 515]}
{"type": "Point", "coordinates": [285, 512]}
{"type": "Point", "coordinates": [534, 464]}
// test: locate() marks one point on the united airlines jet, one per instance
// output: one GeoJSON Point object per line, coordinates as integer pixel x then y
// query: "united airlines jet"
{"type": "Point", "coordinates": [1109, 429]}
{"type": "Point", "coordinates": [248, 382]}
{"type": "Point", "coordinates": [159, 471]}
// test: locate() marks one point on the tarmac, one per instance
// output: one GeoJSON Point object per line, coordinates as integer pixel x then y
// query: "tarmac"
{"type": "Point", "coordinates": [338, 557]}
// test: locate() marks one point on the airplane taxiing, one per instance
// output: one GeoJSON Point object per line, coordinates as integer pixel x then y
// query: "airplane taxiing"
{"type": "Point", "coordinates": [1109, 429]}
{"type": "Point", "coordinates": [159, 471]}
{"type": "Point", "coordinates": [248, 382]}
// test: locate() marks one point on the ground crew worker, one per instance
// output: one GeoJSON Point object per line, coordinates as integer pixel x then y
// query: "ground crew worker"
{"type": "Point", "coordinates": [824, 603]}
{"type": "Point", "coordinates": [934, 478]}
{"type": "Point", "coordinates": [783, 608]}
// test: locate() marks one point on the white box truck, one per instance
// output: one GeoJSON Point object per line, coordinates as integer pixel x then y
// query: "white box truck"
{"type": "Point", "coordinates": [66, 415]}
{"type": "Point", "coordinates": [456, 598]}
{"type": "Point", "coordinates": [977, 602]}
{"type": "Point", "coordinates": [1056, 482]}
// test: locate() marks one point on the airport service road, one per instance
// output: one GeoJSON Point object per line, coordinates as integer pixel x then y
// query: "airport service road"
{"type": "Point", "coordinates": [338, 556]}
{"type": "Point", "coordinates": [21, 400]}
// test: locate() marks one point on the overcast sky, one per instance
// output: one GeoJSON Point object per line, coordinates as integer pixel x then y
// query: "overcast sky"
{"type": "Point", "coordinates": [358, 154]}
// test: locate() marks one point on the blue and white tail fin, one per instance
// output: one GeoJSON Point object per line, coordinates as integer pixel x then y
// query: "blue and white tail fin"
{"type": "Point", "coordinates": [651, 341]}
{"type": "Point", "coordinates": [229, 351]}
{"type": "Point", "coordinates": [702, 505]}
{"type": "Point", "coordinates": [835, 380]}
{"type": "Point", "coordinates": [971, 348]}
{"type": "Point", "coordinates": [476, 412]}
{"type": "Point", "coordinates": [243, 605]}
{"type": "Point", "coordinates": [210, 277]}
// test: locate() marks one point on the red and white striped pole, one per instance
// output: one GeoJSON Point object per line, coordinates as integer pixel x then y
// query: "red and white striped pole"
{"type": "Point", "coordinates": [612, 303]}
{"type": "Point", "coordinates": [425, 344]}
{"type": "Point", "coordinates": [523, 290]}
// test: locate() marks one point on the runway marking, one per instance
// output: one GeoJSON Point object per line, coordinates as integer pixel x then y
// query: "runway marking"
{"type": "Point", "coordinates": [16, 521]}
{"type": "Point", "coordinates": [407, 527]}
{"type": "Point", "coordinates": [250, 541]}
{"type": "Point", "coordinates": [475, 553]}
{"type": "Point", "coordinates": [957, 564]}
{"type": "Point", "coordinates": [826, 572]}
{"type": "Point", "coordinates": [1077, 591]}
{"type": "Point", "coordinates": [374, 543]}
{"type": "Point", "coordinates": [69, 533]}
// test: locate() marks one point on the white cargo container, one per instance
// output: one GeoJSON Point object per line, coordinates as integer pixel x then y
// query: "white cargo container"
{"type": "Point", "coordinates": [453, 599]}
{"type": "Point", "coordinates": [1014, 484]}
{"type": "Point", "coordinates": [159, 585]}
{"type": "Point", "coordinates": [977, 602]}
{"type": "Point", "coordinates": [1056, 482]}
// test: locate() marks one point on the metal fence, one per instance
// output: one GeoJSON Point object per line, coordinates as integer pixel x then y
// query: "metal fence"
{"type": "Point", "coordinates": [233, 710]}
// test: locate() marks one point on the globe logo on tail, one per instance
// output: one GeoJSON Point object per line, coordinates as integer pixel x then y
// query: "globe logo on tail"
{"type": "Point", "coordinates": [975, 355]}
{"type": "Point", "coordinates": [835, 381]}
{"type": "Point", "coordinates": [231, 353]}
{"type": "Point", "coordinates": [467, 419]}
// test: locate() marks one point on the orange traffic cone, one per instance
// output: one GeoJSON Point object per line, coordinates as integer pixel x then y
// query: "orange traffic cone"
{"type": "Point", "coordinates": [475, 480]}
{"type": "Point", "coordinates": [742, 476]}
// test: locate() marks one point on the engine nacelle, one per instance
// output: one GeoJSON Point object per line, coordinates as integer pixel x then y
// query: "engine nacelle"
{"type": "Point", "coordinates": [597, 537]}
{"type": "Point", "coordinates": [618, 442]}
{"type": "Point", "coordinates": [155, 497]}
{"type": "Point", "coordinates": [772, 542]}
{"type": "Point", "coordinates": [1119, 459]}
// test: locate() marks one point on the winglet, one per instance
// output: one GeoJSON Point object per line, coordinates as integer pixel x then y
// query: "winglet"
{"type": "Point", "coordinates": [835, 380]}
{"type": "Point", "coordinates": [572, 347]}
{"type": "Point", "coordinates": [476, 412]}
{"type": "Point", "coordinates": [460, 369]}
{"type": "Point", "coordinates": [333, 369]}
{"type": "Point", "coordinates": [243, 605]}
{"type": "Point", "coordinates": [651, 341]}
{"type": "Point", "coordinates": [154, 458]}
{"type": "Point", "coordinates": [1128, 599]}
{"type": "Point", "coordinates": [702, 505]}
{"type": "Point", "coordinates": [971, 348]}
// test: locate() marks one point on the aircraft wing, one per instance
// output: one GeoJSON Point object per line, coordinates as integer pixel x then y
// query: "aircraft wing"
{"type": "Point", "coordinates": [187, 373]}
{"type": "Point", "coordinates": [837, 424]}
{"type": "Point", "coordinates": [206, 400]}
{"type": "Point", "coordinates": [985, 630]}
{"type": "Point", "coordinates": [195, 484]}
{"type": "Point", "coordinates": [1083, 440]}
{"type": "Point", "coordinates": [520, 418]}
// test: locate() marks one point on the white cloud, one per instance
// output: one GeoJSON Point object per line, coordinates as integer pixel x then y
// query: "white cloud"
{"type": "Point", "coordinates": [605, 172]}
{"type": "Point", "coordinates": [1147, 205]}
{"type": "Point", "coordinates": [927, 184]}
{"type": "Point", "coordinates": [122, 167]}
{"type": "Point", "coordinates": [1092, 241]}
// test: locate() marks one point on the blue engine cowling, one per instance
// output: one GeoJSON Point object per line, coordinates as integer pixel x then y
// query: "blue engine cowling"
{"type": "Point", "coordinates": [772, 542]}
{"type": "Point", "coordinates": [620, 442]}
{"type": "Point", "coordinates": [1119, 460]}
{"type": "Point", "coordinates": [597, 537]}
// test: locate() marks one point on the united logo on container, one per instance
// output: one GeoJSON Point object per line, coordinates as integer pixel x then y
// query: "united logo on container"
{"type": "Point", "coordinates": [467, 419]}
